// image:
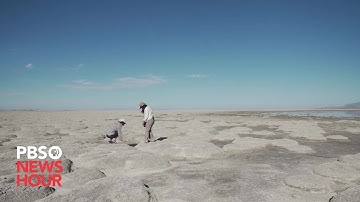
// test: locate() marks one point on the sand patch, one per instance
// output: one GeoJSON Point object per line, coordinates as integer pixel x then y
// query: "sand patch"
{"type": "Point", "coordinates": [108, 189]}
{"type": "Point", "coordinates": [338, 170]}
{"type": "Point", "coordinates": [230, 132]}
{"type": "Point", "coordinates": [303, 129]}
{"type": "Point", "coordinates": [354, 130]}
{"type": "Point", "coordinates": [337, 137]}
{"type": "Point", "coordinates": [121, 157]}
{"type": "Point", "coordinates": [263, 133]}
{"type": "Point", "coordinates": [311, 183]}
{"type": "Point", "coordinates": [350, 195]}
{"type": "Point", "coordinates": [81, 176]}
{"type": "Point", "coordinates": [182, 149]}
{"type": "Point", "coordinates": [249, 144]}
{"type": "Point", "coordinates": [11, 193]}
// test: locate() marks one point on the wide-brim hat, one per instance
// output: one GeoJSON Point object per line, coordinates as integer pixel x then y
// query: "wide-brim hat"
{"type": "Point", "coordinates": [122, 121]}
{"type": "Point", "coordinates": [141, 104]}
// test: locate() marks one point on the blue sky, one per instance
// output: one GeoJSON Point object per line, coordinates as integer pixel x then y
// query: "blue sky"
{"type": "Point", "coordinates": [179, 54]}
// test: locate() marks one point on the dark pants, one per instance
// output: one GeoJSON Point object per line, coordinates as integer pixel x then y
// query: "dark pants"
{"type": "Point", "coordinates": [115, 135]}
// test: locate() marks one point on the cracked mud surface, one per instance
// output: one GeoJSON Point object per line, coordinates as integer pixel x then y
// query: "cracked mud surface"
{"type": "Point", "coordinates": [198, 156]}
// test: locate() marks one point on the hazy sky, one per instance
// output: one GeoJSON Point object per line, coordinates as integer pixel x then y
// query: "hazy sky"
{"type": "Point", "coordinates": [179, 54]}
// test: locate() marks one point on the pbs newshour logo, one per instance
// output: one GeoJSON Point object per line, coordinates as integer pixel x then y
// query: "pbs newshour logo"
{"type": "Point", "coordinates": [35, 170]}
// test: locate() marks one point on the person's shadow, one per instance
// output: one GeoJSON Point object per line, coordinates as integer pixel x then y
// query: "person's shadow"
{"type": "Point", "coordinates": [159, 139]}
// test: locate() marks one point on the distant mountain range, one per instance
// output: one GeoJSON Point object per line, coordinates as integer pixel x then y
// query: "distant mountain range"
{"type": "Point", "coordinates": [348, 106]}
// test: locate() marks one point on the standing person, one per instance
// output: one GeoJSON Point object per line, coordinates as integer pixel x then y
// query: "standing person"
{"type": "Point", "coordinates": [148, 121]}
{"type": "Point", "coordinates": [115, 131]}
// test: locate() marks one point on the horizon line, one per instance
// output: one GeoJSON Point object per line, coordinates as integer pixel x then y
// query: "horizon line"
{"type": "Point", "coordinates": [166, 109]}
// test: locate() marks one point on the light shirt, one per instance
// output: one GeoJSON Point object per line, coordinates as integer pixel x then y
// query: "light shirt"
{"type": "Point", "coordinates": [113, 128]}
{"type": "Point", "coordinates": [148, 114]}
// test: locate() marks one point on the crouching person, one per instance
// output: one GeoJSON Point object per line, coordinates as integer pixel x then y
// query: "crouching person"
{"type": "Point", "coordinates": [115, 133]}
